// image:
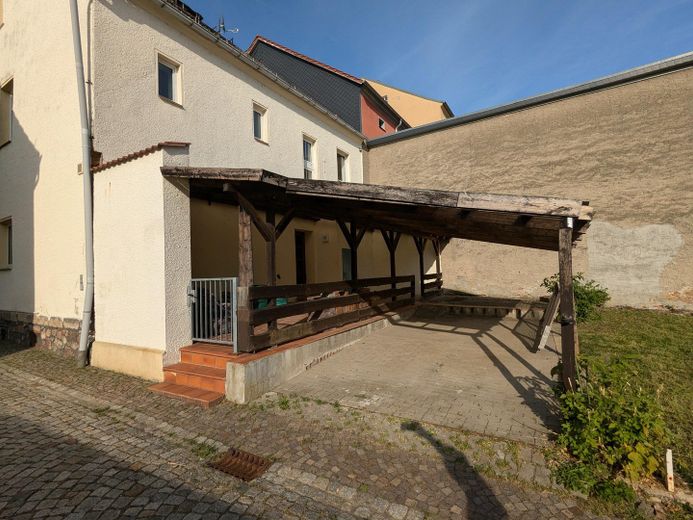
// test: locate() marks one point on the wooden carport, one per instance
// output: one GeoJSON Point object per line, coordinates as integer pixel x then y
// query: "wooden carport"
{"type": "Point", "coordinates": [427, 215]}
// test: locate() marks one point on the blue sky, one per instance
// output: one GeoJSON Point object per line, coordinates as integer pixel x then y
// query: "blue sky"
{"type": "Point", "coordinates": [474, 54]}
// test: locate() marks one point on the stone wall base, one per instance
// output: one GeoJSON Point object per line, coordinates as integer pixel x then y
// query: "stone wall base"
{"type": "Point", "coordinates": [59, 335]}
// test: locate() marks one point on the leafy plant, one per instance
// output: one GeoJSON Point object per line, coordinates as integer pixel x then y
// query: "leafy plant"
{"type": "Point", "coordinates": [577, 476]}
{"type": "Point", "coordinates": [611, 424]}
{"type": "Point", "coordinates": [590, 297]}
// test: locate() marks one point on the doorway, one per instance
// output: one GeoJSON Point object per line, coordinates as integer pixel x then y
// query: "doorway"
{"type": "Point", "coordinates": [300, 246]}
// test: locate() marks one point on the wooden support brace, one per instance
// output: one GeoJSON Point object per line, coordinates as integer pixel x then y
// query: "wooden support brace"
{"type": "Point", "coordinates": [284, 222]}
{"type": "Point", "coordinates": [265, 231]}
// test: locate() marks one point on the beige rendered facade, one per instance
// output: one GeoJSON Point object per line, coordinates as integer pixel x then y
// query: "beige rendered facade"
{"type": "Point", "coordinates": [417, 110]}
{"type": "Point", "coordinates": [142, 223]}
{"type": "Point", "coordinates": [41, 293]}
{"type": "Point", "coordinates": [627, 147]}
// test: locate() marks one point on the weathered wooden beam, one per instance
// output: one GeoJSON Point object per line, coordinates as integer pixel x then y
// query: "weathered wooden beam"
{"type": "Point", "coordinates": [392, 240]}
{"type": "Point", "coordinates": [345, 232]}
{"type": "Point", "coordinates": [245, 279]}
{"type": "Point", "coordinates": [354, 251]}
{"type": "Point", "coordinates": [271, 250]}
{"type": "Point", "coordinates": [522, 220]}
{"type": "Point", "coordinates": [284, 222]}
{"type": "Point", "coordinates": [420, 243]}
{"type": "Point", "coordinates": [567, 305]}
{"type": "Point", "coordinates": [265, 231]}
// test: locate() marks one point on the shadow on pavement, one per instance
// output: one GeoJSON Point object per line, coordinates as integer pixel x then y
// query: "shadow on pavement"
{"type": "Point", "coordinates": [480, 500]}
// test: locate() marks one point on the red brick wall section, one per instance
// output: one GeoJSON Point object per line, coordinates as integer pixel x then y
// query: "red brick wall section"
{"type": "Point", "coordinates": [369, 120]}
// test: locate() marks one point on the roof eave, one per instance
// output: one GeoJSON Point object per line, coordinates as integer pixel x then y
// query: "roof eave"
{"type": "Point", "coordinates": [658, 68]}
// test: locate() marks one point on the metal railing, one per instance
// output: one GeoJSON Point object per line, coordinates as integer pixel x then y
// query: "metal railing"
{"type": "Point", "coordinates": [213, 310]}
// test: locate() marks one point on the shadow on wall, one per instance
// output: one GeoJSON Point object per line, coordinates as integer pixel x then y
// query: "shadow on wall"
{"type": "Point", "coordinates": [19, 178]}
{"type": "Point", "coordinates": [481, 501]}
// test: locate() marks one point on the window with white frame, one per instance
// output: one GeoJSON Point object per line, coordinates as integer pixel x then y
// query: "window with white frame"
{"type": "Point", "coordinates": [308, 157]}
{"type": "Point", "coordinates": [342, 166]}
{"type": "Point", "coordinates": [260, 123]}
{"type": "Point", "coordinates": [169, 79]}
{"type": "Point", "coordinates": [381, 123]}
{"type": "Point", "coordinates": [6, 95]}
{"type": "Point", "coordinates": [5, 243]}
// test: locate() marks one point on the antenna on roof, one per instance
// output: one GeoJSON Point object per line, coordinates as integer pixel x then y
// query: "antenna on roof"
{"type": "Point", "coordinates": [221, 28]}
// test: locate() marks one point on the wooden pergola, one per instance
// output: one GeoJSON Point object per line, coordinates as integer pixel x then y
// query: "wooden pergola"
{"type": "Point", "coordinates": [546, 223]}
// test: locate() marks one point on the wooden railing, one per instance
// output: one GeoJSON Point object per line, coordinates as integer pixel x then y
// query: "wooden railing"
{"type": "Point", "coordinates": [313, 308]}
{"type": "Point", "coordinates": [434, 287]}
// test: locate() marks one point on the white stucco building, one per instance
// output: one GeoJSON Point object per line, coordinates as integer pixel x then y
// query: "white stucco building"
{"type": "Point", "coordinates": [155, 74]}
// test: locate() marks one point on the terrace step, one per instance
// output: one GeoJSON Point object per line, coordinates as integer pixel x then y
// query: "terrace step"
{"type": "Point", "coordinates": [196, 376]}
{"type": "Point", "coordinates": [214, 356]}
{"type": "Point", "coordinates": [203, 398]}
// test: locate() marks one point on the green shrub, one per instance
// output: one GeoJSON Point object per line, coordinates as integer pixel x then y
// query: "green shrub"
{"type": "Point", "coordinates": [577, 476]}
{"type": "Point", "coordinates": [590, 297]}
{"type": "Point", "coordinates": [611, 424]}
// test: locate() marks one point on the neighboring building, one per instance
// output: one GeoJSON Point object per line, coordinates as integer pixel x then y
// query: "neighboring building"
{"type": "Point", "coordinates": [624, 142]}
{"type": "Point", "coordinates": [352, 98]}
{"type": "Point", "coordinates": [417, 110]}
{"type": "Point", "coordinates": [209, 104]}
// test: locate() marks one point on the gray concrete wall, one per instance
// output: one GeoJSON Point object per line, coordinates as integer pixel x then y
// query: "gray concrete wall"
{"type": "Point", "coordinates": [626, 149]}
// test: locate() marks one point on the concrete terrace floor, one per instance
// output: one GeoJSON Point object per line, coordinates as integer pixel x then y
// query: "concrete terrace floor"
{"type": "Point", "coordinates": [459, 371]}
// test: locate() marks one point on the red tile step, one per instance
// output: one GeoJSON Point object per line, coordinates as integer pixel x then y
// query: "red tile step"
{"type": "Point", "coordinates": [200, 377]}
{"type": "Point", "coordinates": [196, 376]}
{"type": "Point", "coordinates": [215, 356]}
{"type": "Point", "coordinates": [203, 398]}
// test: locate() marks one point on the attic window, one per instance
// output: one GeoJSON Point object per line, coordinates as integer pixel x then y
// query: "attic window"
{"type": "Point", "coordinates": [169, 80]}
{"type": "Point", "coordinates": [381, 123]}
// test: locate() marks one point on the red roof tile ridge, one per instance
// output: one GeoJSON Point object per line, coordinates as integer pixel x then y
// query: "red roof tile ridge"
{"type": "Point", "coordinates": [260, 38]}
{"type": "Point", "coordinates": [136, 155]}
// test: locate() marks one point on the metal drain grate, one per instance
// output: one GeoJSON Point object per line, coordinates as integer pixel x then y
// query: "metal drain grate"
{"type": "Point", "coordinates": [241, 464]}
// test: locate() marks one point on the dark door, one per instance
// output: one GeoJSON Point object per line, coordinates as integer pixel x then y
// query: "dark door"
{"type": "Point", "coordinates": [300, 242]}
{"type": "Point", "coordinates": [346, 264]}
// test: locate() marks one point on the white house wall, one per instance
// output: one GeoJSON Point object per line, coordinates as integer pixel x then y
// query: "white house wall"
{"type": "Point", "coordinates": [142, 267]}
{"type": "Point", "coordinates": [218, 92]}
{"type": "Point", "coordinates": [40, 187]}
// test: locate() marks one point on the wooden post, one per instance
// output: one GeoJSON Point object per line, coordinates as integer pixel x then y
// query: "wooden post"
{"type": "Point", "coordinates": [436, 248]}
{"type": "Point", "coordinates": [245, 279]}
{"type": "Point", "coordinates": [391, 240]}
{"type": "Point", "coordinates": [353, 236]}
{"type": "Point", "coordinates": [421, 247]}
{"type": "Point", "coordinates": [271, 249]}
{"type": "Point", "coordinates": [567, 304]}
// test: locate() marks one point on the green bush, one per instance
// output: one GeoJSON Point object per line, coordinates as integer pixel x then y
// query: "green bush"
{"type": "Point", "coordinates": [611, 424]}
{"type": "Point", "coordinates": [590, 297]}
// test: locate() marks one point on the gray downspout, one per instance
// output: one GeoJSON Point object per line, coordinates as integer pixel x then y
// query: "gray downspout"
{"type": "Point", "coordinates": [82, 353]}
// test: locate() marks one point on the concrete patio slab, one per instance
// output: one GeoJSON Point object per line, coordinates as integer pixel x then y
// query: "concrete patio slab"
{"type": "Point", "coordinates": [469, 372]}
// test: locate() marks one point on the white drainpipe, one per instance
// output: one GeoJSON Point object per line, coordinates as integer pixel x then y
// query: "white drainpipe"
{"type": "Point", "coordinates": [82, 353]}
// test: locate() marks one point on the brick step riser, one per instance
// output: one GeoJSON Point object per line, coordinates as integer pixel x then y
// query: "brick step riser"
{"type": "Point", "coordinates": [204, 360]}
{"type": "Point", "coordinates": [204, 383]}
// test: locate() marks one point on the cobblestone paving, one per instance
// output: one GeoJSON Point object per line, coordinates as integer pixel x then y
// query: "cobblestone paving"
{"type": "Point", "coordinates": [475, 373]}
{"type": "Point", "coordinates": [93, 444]}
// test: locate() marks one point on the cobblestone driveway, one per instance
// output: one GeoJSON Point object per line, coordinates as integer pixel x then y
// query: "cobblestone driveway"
{"type": "Point", "coordinates": [93, 444]}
